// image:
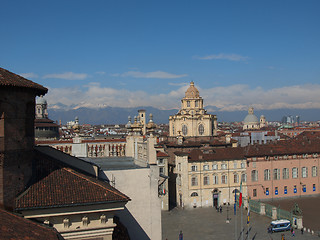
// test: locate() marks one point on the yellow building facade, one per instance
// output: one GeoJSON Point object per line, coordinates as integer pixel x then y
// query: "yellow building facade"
{"type": "Point", "coordinates": [209, 180]}
{"type": "Point", "coordinates": [192, 120]}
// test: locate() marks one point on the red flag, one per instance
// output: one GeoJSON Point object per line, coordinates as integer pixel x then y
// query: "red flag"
{"type": "Point", "coordinates": [240, 197]}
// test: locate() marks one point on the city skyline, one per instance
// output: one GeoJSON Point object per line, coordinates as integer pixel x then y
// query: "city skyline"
{"type": "Point", "coordinates": [129, 54]}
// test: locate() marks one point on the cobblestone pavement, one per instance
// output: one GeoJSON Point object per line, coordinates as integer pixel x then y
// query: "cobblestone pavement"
{"type": "Point", "coordinates": [207, 223]}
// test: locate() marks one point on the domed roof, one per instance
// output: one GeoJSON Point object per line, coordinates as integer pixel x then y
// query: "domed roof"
{"type": "Point", "coordinates": [192, 91]}
{"type": "Point", "coordinates": [41, 100]}
{"type": "Point", "coordinates": [251, 118]}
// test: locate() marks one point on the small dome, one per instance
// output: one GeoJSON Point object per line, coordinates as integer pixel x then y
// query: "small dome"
{"type": "Point", "coordinates": [41, 100]}
{"type": "Point", "coordinates": [251, 118]}
{"type": "Point", "coordinates": [192, 91]}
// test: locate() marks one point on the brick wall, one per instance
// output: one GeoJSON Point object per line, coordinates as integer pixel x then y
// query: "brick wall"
{"type": "Point", "coordinates": [16, 142]}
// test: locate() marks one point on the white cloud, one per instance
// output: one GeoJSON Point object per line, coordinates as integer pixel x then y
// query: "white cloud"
{"type": "Point", "coordinates": [67, 76]}
{"type": "Point", "coordinates": [222, 56]}
{"type": "Point", "coordinates": [29, 75]}
{"type": "Point", "coordinates": [156, 74]}
{"type": "Point", "coordinates": [229, 98]}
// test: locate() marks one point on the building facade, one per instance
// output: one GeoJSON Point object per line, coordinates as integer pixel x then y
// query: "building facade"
{"type": "Point", "coordinates": [210, 180]}
{"type": "Point", "coordinates": [192, 120]}
{"type": "Point", "coordinates": [283, 169]}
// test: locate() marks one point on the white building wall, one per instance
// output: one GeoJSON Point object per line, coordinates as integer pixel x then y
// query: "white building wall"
{"type": "Point", "coordinates": [142, 215]}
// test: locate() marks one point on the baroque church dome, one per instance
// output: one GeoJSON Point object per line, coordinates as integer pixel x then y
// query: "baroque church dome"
{"type": "Point", "coordinates": [251, 118]}
{"type": "Point", "coordinates": [192, 91]}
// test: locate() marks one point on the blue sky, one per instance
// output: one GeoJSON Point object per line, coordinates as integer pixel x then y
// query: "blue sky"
{"type": "Point", "coordinates": [144, 53]}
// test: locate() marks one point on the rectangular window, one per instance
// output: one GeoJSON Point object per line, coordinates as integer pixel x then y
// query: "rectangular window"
{"type": "Point", "coordinates": [254, 193]}
{"type": "Point", "coordinates": [285, 173]}
{"type": "Point", "coordinates": [235, 178]}
{"type": "Point", "coordinates": [254, 175]}
{"type": "Point", "coordinates": [206, 180]}
{"type": "Point", "coordinates": [194, 181]}
{"type": "Point", "coordinates": [314, 171]}
{"type": "Point", "coordinates": [243, 165]}
{"type": "Point", "coordinates": [304, 172]}
{"type": "Point", "coordinates": [161, 170]}
{"type": "Point", "coordinates": [294, 172]}
{"type": "Point", "coordinates": [304, 188]}
{"type": "Point", "coordinates": [235, 165]}
{"type": "Point", "coordinates": [267, 174]}
{"type": "Point", "coordinates": [223, 166]}
{"type": "Point", "coordinates": [215, 179]}
{"type": "Point", "coordinates": [160, 161]}
{"type": "Point", "coordinates": [205, 167]}
{"type": "Point", "coordinates": [214, 166]}
{"type": "Point", "coordinates": [224, 179]}
{"type": "Point", "coordinates": [244, 177]}
{"type": "Point", "coordinates": [276, 174]}
{"type": "Point", "coordinates": [194, 168]}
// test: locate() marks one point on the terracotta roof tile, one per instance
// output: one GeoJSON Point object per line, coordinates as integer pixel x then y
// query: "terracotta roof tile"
{"type": "Point", "coordinates": [287, 147]}
{"type": "Point", "coordinates": [10, 79]}
{"type": "Point", "coordinates": [162, 154]}
{"type": "Point", "coordinates": [14, 227]}
{"type": "Point", "coordinates": [57, 186]}
{"type": "Point", "coordinates": [219, 154]}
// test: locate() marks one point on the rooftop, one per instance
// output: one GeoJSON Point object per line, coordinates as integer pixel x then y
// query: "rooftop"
{"type": "Point", "coordinates": [10, 79]}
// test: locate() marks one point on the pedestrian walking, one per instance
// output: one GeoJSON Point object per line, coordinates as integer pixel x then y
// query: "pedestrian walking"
{"type": "Point", "coordinates": [292, 233]}
{"type": "Point", "coordinates": [180, 235]}
{"type": "Point", "coordinates": [302, 230]}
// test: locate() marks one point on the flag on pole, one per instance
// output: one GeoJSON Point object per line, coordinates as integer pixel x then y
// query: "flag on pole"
{"type": "Point", "coordinates": [248, 215]}
{"type": "Point", "coordinates": [240, 197]}
{"type": "Point", "coordinates": [235, 203]}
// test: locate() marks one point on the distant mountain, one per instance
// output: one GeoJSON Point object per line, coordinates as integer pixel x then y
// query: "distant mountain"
{"type": "Point", "coordinates": [108, 115]}
{"type": "Point", "coordinates": [117, 115]}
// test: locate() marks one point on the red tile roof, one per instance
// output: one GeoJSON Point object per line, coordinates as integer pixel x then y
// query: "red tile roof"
{"type": "Point", "coordinates": [288, 147]}
{"type": "Point", "coordinates": [218, 154]}
{"type": "Point", "coordinates": [162, 154]}
{"type": "Point", "coordinates": [58, 186]}
{"type": "Point", "coordinates": [14, 227]}
{"type": "Point", "coordinates": [10, 79]}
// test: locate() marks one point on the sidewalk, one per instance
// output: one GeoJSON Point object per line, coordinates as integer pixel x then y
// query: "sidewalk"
{"type": "Point", "coordinates": [207, 223]}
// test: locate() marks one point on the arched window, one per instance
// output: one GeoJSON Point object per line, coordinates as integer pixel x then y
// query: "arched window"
{"type": "Point", "coordinates": [184, 130]}
{"type": "Point", "coordinates": [194, 194]}
{"type": "Point", "coordinates": [201, 129]}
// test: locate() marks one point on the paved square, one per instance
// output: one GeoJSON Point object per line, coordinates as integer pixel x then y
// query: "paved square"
{"type": "Point", "coordinates": [207, 223]}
